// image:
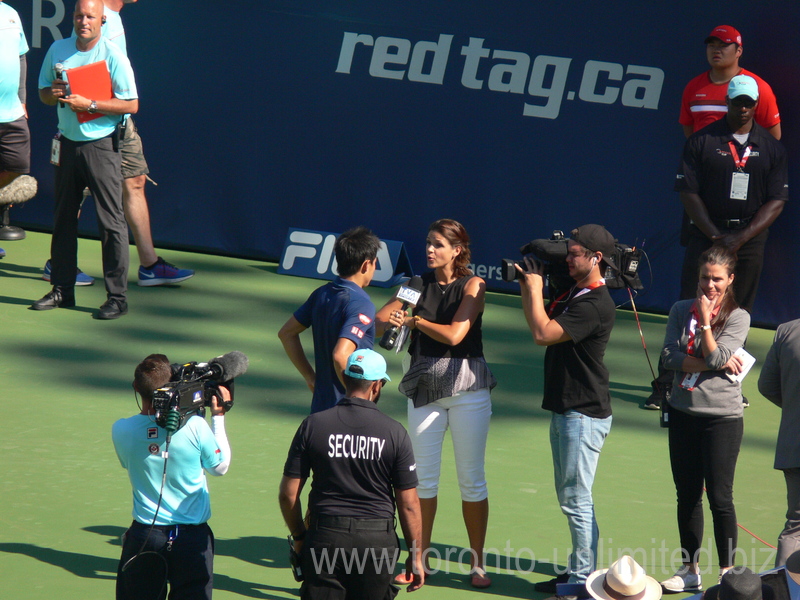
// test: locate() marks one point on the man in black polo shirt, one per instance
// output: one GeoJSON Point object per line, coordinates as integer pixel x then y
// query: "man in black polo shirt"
{"type": "Point", "coordinates": [362, 463]}
{"type": "Point", "coordinates": [733, 182]}
{"type": "Point", "coordinates": [575, 328]}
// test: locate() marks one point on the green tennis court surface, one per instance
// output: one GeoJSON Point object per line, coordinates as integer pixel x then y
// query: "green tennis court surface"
{"type": "Point", "coordinates": [65, 378]}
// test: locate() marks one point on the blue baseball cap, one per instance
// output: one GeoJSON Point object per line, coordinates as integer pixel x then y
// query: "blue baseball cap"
{"type": "Point", "coordinates": [743, 85]}
{"type": "Point", "coordinates": [366, 364]}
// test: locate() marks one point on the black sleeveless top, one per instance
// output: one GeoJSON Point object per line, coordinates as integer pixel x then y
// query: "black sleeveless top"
{"type": "Point", "coordinates": [439, 304]}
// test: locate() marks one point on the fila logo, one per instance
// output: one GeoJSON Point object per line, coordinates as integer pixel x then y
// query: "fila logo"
{"type": "Point", "coordinates": [306, 245]}
{"type": "Point", "coordinates": [317, 248]}
{"type": "Point", "coordinates": [357, 332]}
{"type": "Point", "coordinates": [364, 319]}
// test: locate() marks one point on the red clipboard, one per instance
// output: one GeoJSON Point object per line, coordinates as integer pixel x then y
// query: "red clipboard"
{"type": "Point", "coordinates": [91, 81]}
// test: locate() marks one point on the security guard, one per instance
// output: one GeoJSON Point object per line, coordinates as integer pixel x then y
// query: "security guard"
{"type": "Point", "coordinates": [733, 182]}
{"type": "Point", "coordinates": [362, 463]}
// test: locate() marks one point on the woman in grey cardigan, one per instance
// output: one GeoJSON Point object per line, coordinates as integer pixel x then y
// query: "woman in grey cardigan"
{"type": "Point", "coordinates": [705, 418]}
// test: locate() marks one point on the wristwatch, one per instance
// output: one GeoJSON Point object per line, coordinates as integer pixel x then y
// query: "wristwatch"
{"type": "Point", "coordinates": [704, 327]}
{"type": "Point", "coordinates": [92, 107]}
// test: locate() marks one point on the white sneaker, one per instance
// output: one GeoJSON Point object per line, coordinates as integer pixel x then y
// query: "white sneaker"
{"type": "Point", "coordinates": [683, 581]}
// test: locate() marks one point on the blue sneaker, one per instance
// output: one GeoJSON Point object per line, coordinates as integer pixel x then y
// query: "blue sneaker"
{"type": "Point", "coordinates": [162, 273]}
{"type": "Point", "coordinates": [2, 253]}
{"type": "Point", "coordinates": [81, 278]}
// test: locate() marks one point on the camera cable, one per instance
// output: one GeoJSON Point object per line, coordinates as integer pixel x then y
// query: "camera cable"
{"type": "Point", "coordinates": [641, 333]}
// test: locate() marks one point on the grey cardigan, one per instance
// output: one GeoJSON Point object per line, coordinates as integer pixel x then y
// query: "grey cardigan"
{"type": "Point", "coordinates": [714, 395]}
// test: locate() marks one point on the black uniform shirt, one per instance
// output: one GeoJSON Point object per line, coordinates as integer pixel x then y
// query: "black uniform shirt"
{"type": "Point", "coordinates": [707, 168]}
{"type": "Point", "coordinates": [357, 455]}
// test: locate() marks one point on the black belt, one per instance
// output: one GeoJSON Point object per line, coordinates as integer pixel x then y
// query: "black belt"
{"type": "Point", "coordinates": [351, 523]}
{"type": "Point", "coordinates": [165, 528]}
{"type": "Point", "coordinates": [65, 140]}
{"type": "Point", "coordinates": [732, 223]}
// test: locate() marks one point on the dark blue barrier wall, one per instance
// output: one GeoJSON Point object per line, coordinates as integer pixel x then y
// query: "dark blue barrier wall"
{"type": "Point", "coordinates": [514, 117]}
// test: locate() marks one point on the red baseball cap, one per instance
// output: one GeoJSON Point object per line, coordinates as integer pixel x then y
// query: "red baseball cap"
{"type": "Point", "coordinates": [726, 33]}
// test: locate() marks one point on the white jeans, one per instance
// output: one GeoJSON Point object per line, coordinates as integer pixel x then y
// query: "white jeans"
{"type": "Point", "coordinates": [467, 415]}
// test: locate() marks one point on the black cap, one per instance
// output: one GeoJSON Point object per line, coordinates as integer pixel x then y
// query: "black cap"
{"type": "Point", "coordinates": [595, 238]}
{"type": "Point", "coordinates": [740, 583]}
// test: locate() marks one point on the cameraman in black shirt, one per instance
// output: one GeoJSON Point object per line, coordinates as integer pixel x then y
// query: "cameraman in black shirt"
{"type": "Point", "coordinates": [575, 328]}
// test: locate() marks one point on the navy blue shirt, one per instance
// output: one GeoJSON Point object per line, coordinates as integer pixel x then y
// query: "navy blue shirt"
{"type": "Point", "coordinates": [339, 309]}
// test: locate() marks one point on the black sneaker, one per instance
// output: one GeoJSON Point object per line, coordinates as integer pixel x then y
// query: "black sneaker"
{"type": "Point", "coordinates": [745, 402]}
{"type": "Point", "coordinates": [112, 308]}
{"type": "Point", "coordinates": [549, 587]}
{"type": "Point", "coordinates": [661, 393]}
{"type": "Point", "coordinates": [653, 401]}
{"type": "Point", "coordinates": [57, 298]}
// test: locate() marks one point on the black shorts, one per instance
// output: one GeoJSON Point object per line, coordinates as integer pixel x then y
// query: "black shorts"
{"type": "Point", "coordinates": [15, 146]}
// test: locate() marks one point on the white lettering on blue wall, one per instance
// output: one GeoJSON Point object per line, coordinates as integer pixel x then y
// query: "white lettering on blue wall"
{"type": "Point", "coordinates": [543, 80]}
{"type": "Point", "coordinates": [46, 19]}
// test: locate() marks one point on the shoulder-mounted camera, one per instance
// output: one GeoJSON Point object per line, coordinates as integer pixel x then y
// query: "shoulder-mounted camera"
{"type": "Point", "coordinates": [621, 268]}
{"type": "Point", "coordinates": [193, 387]}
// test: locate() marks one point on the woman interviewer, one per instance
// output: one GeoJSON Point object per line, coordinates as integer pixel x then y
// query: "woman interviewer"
{"type": "Point", "coordinates": [448, 383]}
{"type": "Point", "coordinates": [705, 412]}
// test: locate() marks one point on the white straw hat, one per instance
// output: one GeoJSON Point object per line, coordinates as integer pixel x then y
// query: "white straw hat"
{"type": "Point", "coordinates": [623, 580]}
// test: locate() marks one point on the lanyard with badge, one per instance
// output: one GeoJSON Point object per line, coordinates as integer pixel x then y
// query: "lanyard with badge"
{"type": "Point", "coordinates": [689, 380]}
{"type": "Point", "coordinates": [740, 179]}
{"type": "Point", "coordinates": [693, 345]}
{"type": "Point", "coordinates": [55, 150]}
{"type": "Point", "coordinates": [552, 306]}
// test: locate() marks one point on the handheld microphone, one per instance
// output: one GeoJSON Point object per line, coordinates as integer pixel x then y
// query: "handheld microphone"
{"type": "Point", "coordinates": [410, 295]}
{"type": "Point", "coordinates": [59, 69]}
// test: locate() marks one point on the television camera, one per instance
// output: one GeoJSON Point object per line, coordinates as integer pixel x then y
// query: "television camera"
{"type": "Point", "coordinates": [621, 268]}
{"type": "Point", "coordinates": [193, 386]}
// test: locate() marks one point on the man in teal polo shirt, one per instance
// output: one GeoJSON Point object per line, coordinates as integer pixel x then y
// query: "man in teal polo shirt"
{"type": "Point", "coordinates": [86, 154]}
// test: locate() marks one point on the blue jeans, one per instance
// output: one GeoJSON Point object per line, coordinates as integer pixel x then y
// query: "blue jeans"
{"type": "Point", "coordinates": [576, 441]}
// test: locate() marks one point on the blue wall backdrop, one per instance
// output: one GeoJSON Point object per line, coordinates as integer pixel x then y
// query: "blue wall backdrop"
{"type": "Point", "coordinates": [514, 117]}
